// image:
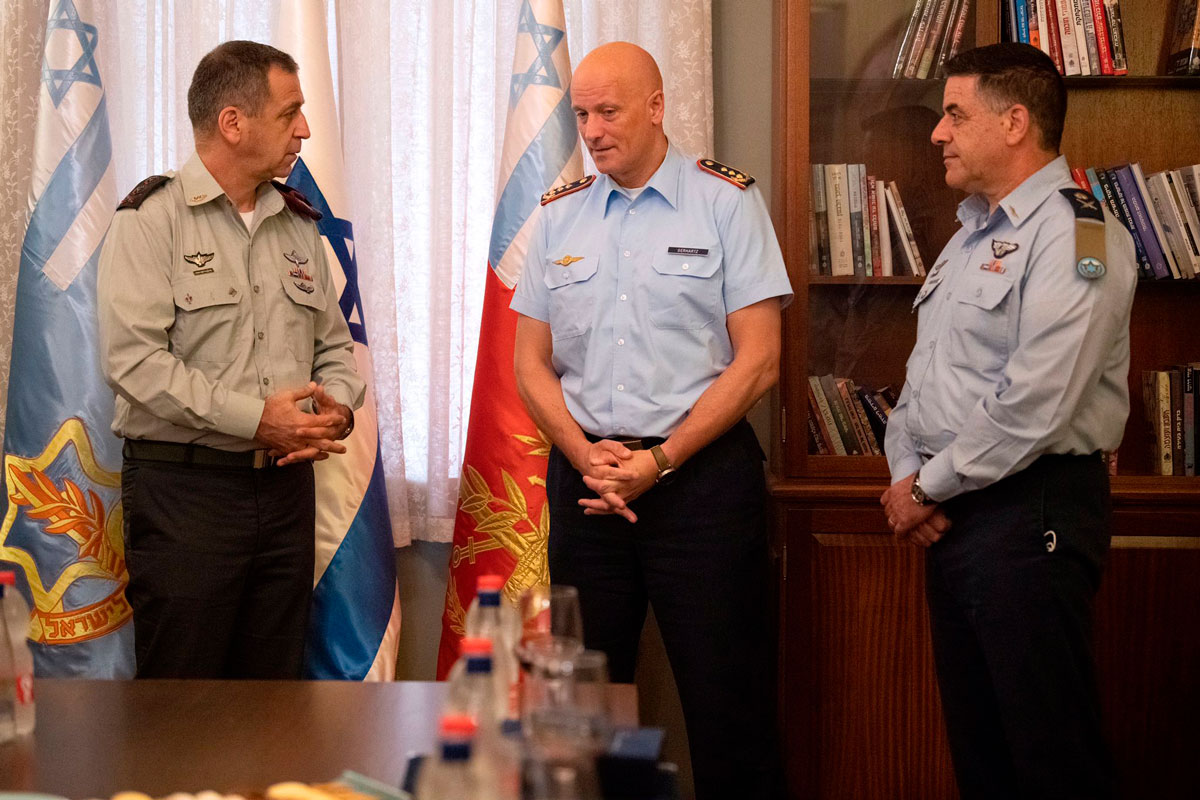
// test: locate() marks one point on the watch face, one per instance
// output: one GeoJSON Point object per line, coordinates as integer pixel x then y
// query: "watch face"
{"type": "Point", "coordinates": [666, 476]}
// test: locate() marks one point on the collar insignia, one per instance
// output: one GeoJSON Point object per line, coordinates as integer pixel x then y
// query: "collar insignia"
{"type": "Point", "coordinates": [567, 261]}
{"type": "Point", "coordinates": [1001, 249]}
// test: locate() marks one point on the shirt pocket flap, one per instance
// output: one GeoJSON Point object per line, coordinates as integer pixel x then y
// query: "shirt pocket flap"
{"type": "Point", "coordinates": [303, 292]}
{"type": "Point", "coordinates": [569, 269]}
{"type": "Point", "coordinates": [700, 262]}
{"type": "Point", "coordinates": [986, 293]}
{"type": "Point", "coordinates": [205, 291]}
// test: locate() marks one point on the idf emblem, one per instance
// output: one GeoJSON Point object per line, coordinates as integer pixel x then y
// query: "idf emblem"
{"type": "Point", "coordinates": [70, 499]}
{"type": "Point", "coordinates": [567, 261]}
{"type": "Point", "coordinates": [200, 262]}
{"type": "Point", "coordinates": [1001, 249]}
{"type": "Point", "coordinates": [1090, 268]}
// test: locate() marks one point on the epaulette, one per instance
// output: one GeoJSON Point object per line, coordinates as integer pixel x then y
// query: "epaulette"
{"type": "Point", "coordinates": [1090, 246]}
{"type": "Point", "coordinates": [143, 190]}
{"type": "Point", "coordinates": [734, 176]}
{"type": "Point", "coordinates": [568, 188]}
{"type": "Point", "coordinates": [297, 202]}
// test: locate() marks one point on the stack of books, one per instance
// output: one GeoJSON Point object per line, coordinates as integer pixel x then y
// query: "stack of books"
{"type": "Point", "coordinates": [1084, 37]}
{"type": "Point", "coordinates": [1161, 210]}
{"type": "Point", "coordinates": [1184, 47]}
{"type": "Point", "coordinates": [846, 419]}
{"type": "Point", "coordinates": [858, 226]}
{"type": "Point", "coordinates": [1170, 399]}
{"type": "Point", "coordinates": [933, 37]}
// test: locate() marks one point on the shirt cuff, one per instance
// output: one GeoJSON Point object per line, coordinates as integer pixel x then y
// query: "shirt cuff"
{"type": "Point", "coordinates": [939, 479]}
{"type": "Point", "coordinates": [241, 415]}
{"type": "Point", "coordinates": [906, 466]}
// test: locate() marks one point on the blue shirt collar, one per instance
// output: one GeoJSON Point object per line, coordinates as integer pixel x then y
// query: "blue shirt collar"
{"type": "Point", "coordinates": [1021, 203]}
{"type": "Point", "coordinates": [664, 181]}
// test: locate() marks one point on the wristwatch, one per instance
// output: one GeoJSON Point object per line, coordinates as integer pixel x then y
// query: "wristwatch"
{"type": "Point", "coordinates": [666, 470]}
{"type": "Point", "coordinates": [918, 494]}
{"type": "Point", "coordinates": [349, 425]}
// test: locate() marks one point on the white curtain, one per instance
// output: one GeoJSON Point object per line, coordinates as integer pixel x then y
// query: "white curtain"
{"type": "Point", "coordinates": [423, 88]}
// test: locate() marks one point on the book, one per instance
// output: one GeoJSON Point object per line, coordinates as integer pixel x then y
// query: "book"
{"type": "Point", "coordinates": [1155, 222]}
{"type": "Point", "coordinates": [1162, 408]}
{"type": "Point", "coordinates": [885, 231]}
{"type": "Point", "coordinates": [868, 245]}
{"type": "Point", "coordinates": [1189, 211]}
{"type": "Point", "coordinates": [936, 34]}
{"type": "Point", "coordinates": [850, 401]}
{"type": "Point", "coordinates": [1022, 14]}
{"type": "Point", "coordinates": [873, 443]}
{"type": "Point", "coordinates": [1081, 43]}
{"type": "Point", "coordinates": [837, 197]}
{"type": "Point", "coordinates": [959, 30]}
{"type": "Point", "coordinates": [873, 212]}
{"type": "Point", "coordinates": [1094, 183]}
{"type": "Point", "coordinates": [1184, 50]}
{"type": "Point", "coordinates": [910, 239]}
{"type": "Point", "coordinates": [841, 416]}
{"type": "Point", "coordinates": [1171, 223]}
{"type": "Point", "coordinates": [855, 198]}
{"type": "Point", "coordinates": [1056, 54]}
{"type": "Point", "coordinates": [1189, 419]}
{"type": "Point", "coordinates": [1142, 228]}
{"type": "Point", "coordinates": [1066, 38]}
{"type": "Point", "coordinates": [1080, 178]}
{"type": "Point", "coordinates": [1108, 182]}
{"type": "Point", "coordinates": [814, 258]}
{"type": "Point", "coordinates": [824, 415]}
{"type": "Point", "coordinates": [1176, 383]}
{"type": "Point", "coordinates": [1037, 14]}
{"type": "Point", "coordinates": [910, 33]}
{"type": "Point", "coordinates": [1116, 36]}
{"type": "Point", "coordinates": [889, 396]}
{"type": "Point", "coordinates": [1102, 46]}
{"type": "Point", "coordinates": [1087, 27]}
{"type": "Point", "coordinates": [914, 58]}
{"type": "Point", "coordinates": [816, 445]}
{"type": "Point", "coordinates": [1008, 21]}
{"type": "Point", "coordinates": [1191, 181]}
{"type": "Point", "coordinates": [958, 12]}
{"type": "Point", "coordinates": [821, 212]}
{"type": "Point", "coordinates": [876, 417]}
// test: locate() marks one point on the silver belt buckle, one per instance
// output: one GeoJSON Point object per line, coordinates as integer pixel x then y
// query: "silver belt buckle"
{"type": "Point", "coordinates": [261, 459]}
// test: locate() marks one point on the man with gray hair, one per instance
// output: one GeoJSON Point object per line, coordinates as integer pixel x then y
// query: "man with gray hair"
{"type": "Point", "coordinates": [233, 368]}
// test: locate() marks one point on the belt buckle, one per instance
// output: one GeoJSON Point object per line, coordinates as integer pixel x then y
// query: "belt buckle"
{"type": "Point", "coordinates": [632, 444]}
{"type": "Point", "coordinates": [263, 459]}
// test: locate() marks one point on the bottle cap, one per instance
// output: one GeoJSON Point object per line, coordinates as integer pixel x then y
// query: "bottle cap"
{"type": "Point", "coordinates": [475, 646]}
{"type": "Point", "coordinates": [8, 578]}
{"type": "Point", "coordinates": [456, 726]}
{"type": "Point", "coordinates": [489, 583]}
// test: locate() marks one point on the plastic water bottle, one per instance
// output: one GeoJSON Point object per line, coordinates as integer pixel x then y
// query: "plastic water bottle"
{"type": "Point", "coordinates": [492, 617]}
{"type": "Point", "coordinates": [16, 662]}
{"type": "Point", "coordinates": [474, 691]}
{"type": "Point", "coordinates": [448, 773]}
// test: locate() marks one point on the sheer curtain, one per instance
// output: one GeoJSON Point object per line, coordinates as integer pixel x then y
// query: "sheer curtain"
{"type": "Point", "coordinates": [423, 88]}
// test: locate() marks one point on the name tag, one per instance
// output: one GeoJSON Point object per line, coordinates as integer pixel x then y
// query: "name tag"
{"type": "Point", "coordinates": [687, 251]}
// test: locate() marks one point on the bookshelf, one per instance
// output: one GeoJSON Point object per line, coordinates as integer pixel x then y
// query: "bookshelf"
{"type": "Point", "coordinates": [858, 696]}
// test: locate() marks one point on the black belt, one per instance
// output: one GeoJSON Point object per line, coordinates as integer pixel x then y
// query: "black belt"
{"type": "Point", "coordinates": [195, 454]}
{"type": "Point", "coordinates": [644, 443]}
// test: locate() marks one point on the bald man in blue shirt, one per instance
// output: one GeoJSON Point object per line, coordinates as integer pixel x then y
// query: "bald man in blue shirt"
{"type": "Point", "coordinates": [1016, 386]}
{"type": "Point", "coordinates": [650, 324]}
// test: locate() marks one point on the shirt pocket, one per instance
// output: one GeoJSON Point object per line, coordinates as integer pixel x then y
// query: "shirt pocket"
{"type": "Point", "coordinates": [572, 295]}
{"type": "Point", "coordinates": [979, 322]}
{"type": "Point", "coordinates": [685, 291]}
{"type": "Point", "coordinates": [306, 301]}
{"type": "Point", "coordinates": [207, 322]}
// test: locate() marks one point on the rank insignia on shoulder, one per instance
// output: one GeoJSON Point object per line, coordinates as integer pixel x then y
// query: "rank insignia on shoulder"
{"type": "Point", "coordinates": [143, 190]}
{"type": "Point", "coordinates": [567, 188]}
{"type": "Point", "coordinates": [1090, 246]}
{"type": "Point", "coordinates": [734, 176]}
{"type": "Point", "coordinates": [1085, 204]}
{"type": "Point", "coordinates": [297, 202]}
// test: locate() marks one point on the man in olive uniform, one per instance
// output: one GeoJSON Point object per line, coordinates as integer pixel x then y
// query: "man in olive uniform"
{"type": "Point", "coordinates": [233, 368]}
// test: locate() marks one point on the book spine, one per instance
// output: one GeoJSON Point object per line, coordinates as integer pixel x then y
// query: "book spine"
{"type": "Point", "coordinates": [885, 231]}
{"type": "Point", "coordinates": [1165, 435]}
{"type": "Point", "coordinates": [1094, 184]}
{"type": "Point", "coordinates": [821, 211]}
{"type": "Point", "coordinates": [865, 421]}
{"type": "Point", "coordinates": [1155, 223]}
{"type": "Point", "coordinates": [1116, 36]}
{"type": "Point", "coordinates": [876, 417]}
{"type": "Point", "coordinates": [816, 445]}
{"type": "Point", "coordinates": [1108, 182]}
{"type": "Point", "coordinates": [906, 44]}
{"type": "Point", "coordinates": [1150, 408]}
{"type": "Point", "coordinates": [1191, 176]}
{"type": "Point", "coordinates": [1185, 251]}
{"type": "Point", "coordinates": [1022, 9]}
{"type": "Point", "coordinates": [1103, 50]}
{"type": "Point", "coordinates": [841, 249]}
{"type": "Point", "coordinates": [914, 58]}
{"type": "Point", "coordinates": [841, 416]}
{"type": "Point", "coordinates": [1066, 37]}
{"type": "Point", "coordinates": [817, 400]}
{"type": "Point", "coordinates": [936, 32]}
{"type": "Point", "coordinates": [1163, 212]}
{"type": "Point", "coordinates": [854, 193]}
{"type": "Point", "coordinates": [1035, 22]}
{"type": "Point", "coordinates": [918, 265]}
{"type": "Point", "coordinates": [1191, 220]}
{"type": "Point", "coordinates": [849, 401]}
{"type": "Point", "coordinates": [1141, 221]}
{"type": "Point", "coordinates": [1189, 420]}
{"type": "Point", "coordinates": [959, 31]}
{"type": "Point", "coordinates": [1088, 27]}
{"type": "Point", "coordinates": [1181, 51]}
{"type": "Point", "coordinates": [868, 244]}
{"type": "Point", "coordinates": [873, 211]}
{"type": "Point", "coordinates": [939, 64]}
{"type": "Point", "coordinates": [1177, 464]}
{"type": "Point", "coordinates": [1081, 178]}
{"type": "Point", "coordinates": [814, 257]}
{"type": "Point", "coordinates": [1056, 54]}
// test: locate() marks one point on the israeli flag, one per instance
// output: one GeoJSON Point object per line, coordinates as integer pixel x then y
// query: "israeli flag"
{"type": "Point", "coordinates": [62, 526]}
{"type": "Point", "coordinates": [355, 624]}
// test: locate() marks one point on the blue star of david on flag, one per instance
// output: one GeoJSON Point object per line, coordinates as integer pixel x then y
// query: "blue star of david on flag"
{"type": "Point", "coordinates": [541, 72]}
{"type": "Point", "coordinates": [58, 80]}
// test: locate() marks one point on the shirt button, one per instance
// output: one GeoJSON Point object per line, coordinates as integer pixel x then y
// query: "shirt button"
{"type": "Point", "coordinates": [620, 387]}
{"type": "Point", "coordinates": [266, 381]}
{"type": "Point", "coordinates": [632, 211]}
{"type": "Point", "coordinates": [978, 292]}
{"type": "Point", "coordinates": [627, 254]}
{"type": "Point", "coordinates": [566, 274]}
{"type": "Point", "coordinates": [261, 335]}
{"type": "Point", "coordinates": [685, 266]}
{"type": "Point", "coordinates": [621, 342]}
{"type": "Point", "coordinates": [256, 288]}
{"type": "Point", "coordinates": [916, 394]}
{"type": "Point", "coordinates": [622, 298]}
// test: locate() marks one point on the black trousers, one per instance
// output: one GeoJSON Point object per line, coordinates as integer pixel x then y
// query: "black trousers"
{"type": "Point", "coordinates": [698, 554]}
{"type": "Point", "coordinates": [1010, 591]}
{"type": "Point", "coordinates": [220, 568]}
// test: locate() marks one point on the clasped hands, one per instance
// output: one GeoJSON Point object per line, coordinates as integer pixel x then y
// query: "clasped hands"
{"type": "Point", "coordinates": [293, 435]}
{"type": "Point", "coordinates": [908, 519]}
{"type": "Point", "coordinates": [617, 475]}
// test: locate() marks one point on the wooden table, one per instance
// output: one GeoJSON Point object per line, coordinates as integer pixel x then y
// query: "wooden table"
{"type": "Point", "coordinates": [95, 738]}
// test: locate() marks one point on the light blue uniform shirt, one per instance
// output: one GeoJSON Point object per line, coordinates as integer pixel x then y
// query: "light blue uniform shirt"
{"type": "Point", "coordinates": [636, 292]}
{"type": "Point", "coordinates": [1017, 354]}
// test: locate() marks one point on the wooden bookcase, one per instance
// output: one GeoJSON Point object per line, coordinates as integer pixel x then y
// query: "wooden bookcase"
{"type": "Point", "coordinates": [858, 698]}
